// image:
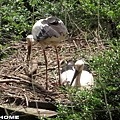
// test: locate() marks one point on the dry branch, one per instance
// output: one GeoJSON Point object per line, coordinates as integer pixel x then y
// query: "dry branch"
{"type": "Point", "coordinates": [22, 81]}
{"type": "Point", "coordinates": [34, 68]}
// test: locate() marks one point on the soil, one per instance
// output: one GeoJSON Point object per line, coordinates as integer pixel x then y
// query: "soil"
{"type": "Point", "coordinates": [26, 81]}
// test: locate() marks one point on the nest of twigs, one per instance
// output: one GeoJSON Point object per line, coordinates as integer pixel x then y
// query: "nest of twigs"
{"type": "Point", "coordinates": [18, 80]}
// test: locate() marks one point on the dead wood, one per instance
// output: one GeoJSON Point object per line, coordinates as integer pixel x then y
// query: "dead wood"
{"type": "Point", "coordinates": [17, 77]}
{"type": "Point", "coordinates": [34, 68]}
{"type": "Point", "coordinates": [22, 81]}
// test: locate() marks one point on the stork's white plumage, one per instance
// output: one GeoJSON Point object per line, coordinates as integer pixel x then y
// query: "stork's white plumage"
{"type": "Point", "coordinates": [76, 76]}
{"type": "Point", "coordinates": [49, 31]}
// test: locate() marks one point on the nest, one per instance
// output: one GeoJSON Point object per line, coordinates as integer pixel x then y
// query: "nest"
{"type": "Point", "coordinates": [26, 82]}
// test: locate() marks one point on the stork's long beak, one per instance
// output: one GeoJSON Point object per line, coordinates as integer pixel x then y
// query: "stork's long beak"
{"type": "Point", "coordinates": [75, 74]}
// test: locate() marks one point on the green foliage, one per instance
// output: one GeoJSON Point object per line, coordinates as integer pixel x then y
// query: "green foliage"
{"type": "Point", "coordinates": [102, 103]}
{"type": "Point", "coordinates": [17, 17]}
{"type": "Point", "coordinates": [107, 68]}
{"type": "Point", "coordinates": [14, 19]}
{"type": "Point", "coordinates": [5, 51]}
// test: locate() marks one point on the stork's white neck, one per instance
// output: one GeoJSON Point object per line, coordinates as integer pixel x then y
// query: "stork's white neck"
{"type": "Point", "coordinates": [77, 80]}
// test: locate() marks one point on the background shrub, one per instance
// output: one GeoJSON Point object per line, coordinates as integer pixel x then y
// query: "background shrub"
{"type": "Point", "coordinates": [97, 18]}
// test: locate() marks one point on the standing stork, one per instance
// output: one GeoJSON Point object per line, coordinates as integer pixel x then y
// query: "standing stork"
{"type": "Point", "coordinates": [49, 31]}
{"type": "Point", "coordinates": [76, 76]}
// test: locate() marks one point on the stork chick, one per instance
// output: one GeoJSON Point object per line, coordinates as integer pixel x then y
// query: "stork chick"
{"type": "Point", "coordinates": [76, 76]}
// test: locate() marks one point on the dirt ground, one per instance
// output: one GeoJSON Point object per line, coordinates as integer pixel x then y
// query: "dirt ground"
{"type": "Point", "coordinates": [19, 81]}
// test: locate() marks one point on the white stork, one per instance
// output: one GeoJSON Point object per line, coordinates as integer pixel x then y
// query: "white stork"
{"type": "Point", "coordinates": [49, 31]}
{"type": "Point", "coordinates": [76, 76]}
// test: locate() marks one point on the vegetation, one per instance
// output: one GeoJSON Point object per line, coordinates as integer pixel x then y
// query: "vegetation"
{"type": "Point", "coordinates": [96, 19]}
{"type": "Point", "coordinates": [103, 102]}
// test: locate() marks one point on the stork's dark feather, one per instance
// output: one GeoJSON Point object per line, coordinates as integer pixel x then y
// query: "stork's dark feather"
{"type": "Point", "coordinates": [53, 20]}
{"type": "Point", "coordinates": [47, 28]}
{"type": "Point", "coordinates": [47, 32]}
{"type": "Point", "coordinates": [68, 66]}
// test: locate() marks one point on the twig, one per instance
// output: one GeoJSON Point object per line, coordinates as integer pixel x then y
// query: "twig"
{"type": "Point", "coordinates": [12, 95]}
{"type": "Point", "coordinates": [75, 44]}
{"type": "Point", "coordinates": [9, 76]}
{"type": "Point", "coordinates": [106, 110]}
{"type": "Point", "coordinates": [9, 80]}
{"type": "Point", "coordinates": [24, 82]}
{"type": "Point", "coordinates": [34, 68]}
{"type": "Point", "coordinates": [24, 77]}
{"type": "Point", "coordinates": [27, 104]}
{"type": "Point", "coordinates": [2, 88]}
{"type": "Point", "coordinates": [87, 42]}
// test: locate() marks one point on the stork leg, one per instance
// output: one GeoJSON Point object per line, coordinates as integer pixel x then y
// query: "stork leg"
{"type": "Point", "coordinates": [58, 62]}
{"type": "Point", "coordinates": [46, 69]}
{"type": "Point", "coordinates": [29, 50]}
